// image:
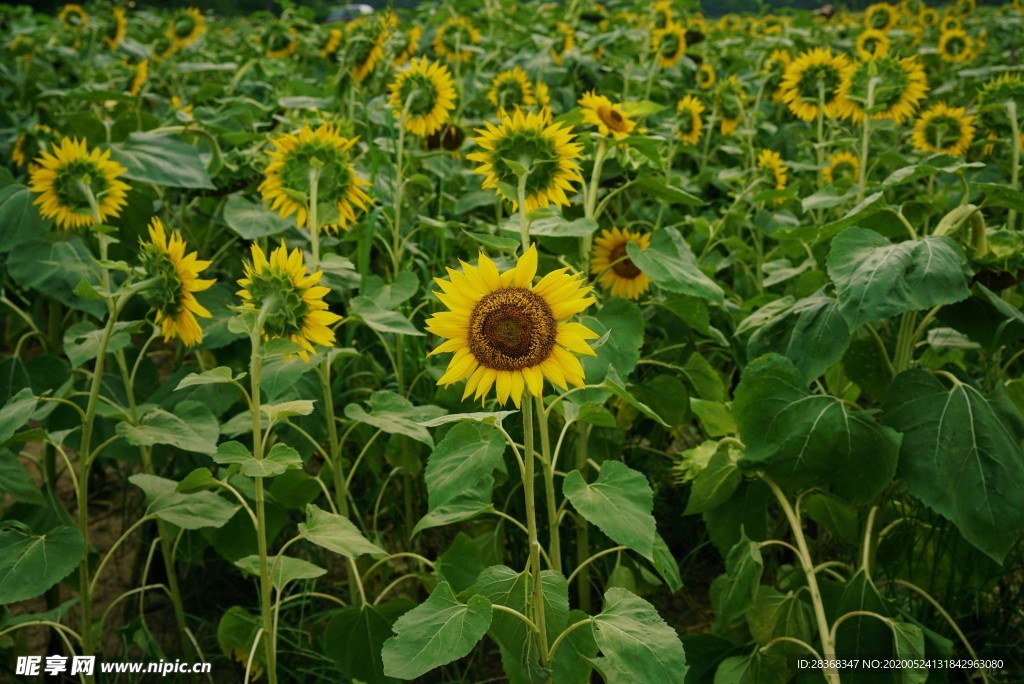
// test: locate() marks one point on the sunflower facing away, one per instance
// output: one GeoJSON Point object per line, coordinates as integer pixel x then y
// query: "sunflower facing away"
{"type": "Point", "coordinates": [286, 180]}
{"type": "Point", "coordinates": [547, 151]}
{"type": "Point", "coordinates": [881, 16]}
{"type": "Point", "coordinates": [139, 77]}
{"type": "Point", "coordinates": [811, 82]}
{"type": "Point", "coordinates": [64, 175]}
{"type": "Point", "coordinates": [507, 333]}
{"type": "Point", "coordinates": [564, 42]}
{"type": "Point", "coordinates": [186, 26]}
{"type": "Point", "coordinates": [367, 40]}
{"type": "Point", "coordinates": [956, 46]}
{"type": "Point", "coordinates": [173, 296]}
{"type": "Point", "coordinates": [31, 144]}
{"type": "Point", "coordinates": [729, 98]}
{"type": "Point", "coordinates": [510, 89]}
{"type": "Point", "coordinates": [872, 43]}
{"type": "Point", "coordinates": [992, 110]}
{"type": "Point", "coordinates": [453, 37]}
{"type": "Point", "coordinates": [609, 118]}
{"type": "Point", "coordinates": [944, 129]}
{"type": "Point", "coordinates": [115, 30]}
{"type": "Point", "coordinates": [771, 162]}
{"type": "Point", "coordinates": [669, 44]}
{"type": "Point", "coordinates": [329, 44]}
{"type": "Point", "coordinates": [901, 85]}
{"type": "Point", "coordinates": [774, 68]}
{"type": "Point", "coordinates": [614, 270]}
{"type": "Point", "coordinates": [432, 92]}
{"type": "Point", "coordinates": [706, 76]}
{"type": "Point", "coordinates": [688, 118]}
{"type": "Point", "coordinates": [842, 167]}
{"type": "Point", "coordinates": [411, 45]}
{"type": "Point", "coordinates": [74, 17]}
{"type": "Point", "coordinates": [950, 23]}
{"type": "Point", "coordinates": [293, 301]}
{"type": "Point", "coordinates": [279, 40]}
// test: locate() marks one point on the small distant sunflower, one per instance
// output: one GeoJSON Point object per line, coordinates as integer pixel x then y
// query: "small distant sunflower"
{"type": "Point", "coordinates": [174, 296]}
{"type": "Point", "coordinates": [454, 37]}
{"type": "Point", "coordinates": [290, 296]}
{"type": "Point", "coordinates": [706, 76]}
{"type": "Point", "coordinates": [992, 99]}
{"type": "Point", "coordinates": [564, 43]}
{"type": "Point", "coordinates": [286, 180]}
{"type": "Point", "coordinates": [669, 44]}
{"type": "Point", "coordinates": [729, 98]}
{"type": "Point", "coordinates": [74, 17]}
{"type": "Point", "coordinates": [186, 26]}
{"type": "Point", "coordinates": [963, 8]}
{"type": "Point", "coordinates": [161, 48]}
{"type": "Point", "coordinates": [771, 161]}
{"type": "Point", "coordinates": [928, 17]}
{"type": "Point", "coordinates": [367, 40]}
{"type": "Point", "coordinates": [941, 128]}
{"type": "Point", "coordinates": [432, 89]}
{"type": "Point", "coordinates": [610, 119]}
{"type": "Point", "coordinates": [508, 333]}
{"type": "Point", "coordinates": [662, 14]}
{"type": "Point", "coordinates": [329, 44]}
{"type": "Point", "coordinates": [139, 77]}
{"type": "Point", "coordinates": [774, 68]}
{"type": "Point", "coordinates": [614, 270]}
{"type": "Point", "coordinates": [872, 43]}
{"type": "Point", "coordinates": [279, 40]}
{"type": "Point", "coordinates": [546, 150]}
{"type": "Point", "coordinates": [114, 33]}
{"type": "Point", "coordinates": [510, 89]}
{"type": "Point", "coordinates": [543, 96]}
{"type": "Point", "coordinates": [956, 46]}
{"type": "Point", "coordinates": [731, 23]}
{"type": "Point", "coordinates": [64, 174]}
{"type": "Point", "coordinates": [950, 22]}
{"type": "Point", "coordinates": [881, 16]}
{"type": "Point", "coordinates": [900, 87]}
{"type": "Point", "coordinates": [814, 73]}
{"type": "Point", "coordinates": [688, 118]}
{"type": "Point", "coordinates": [411, 45]}
{"type": "Point", "coordinates": [842, 167]}
{"type": "Point", "coordinates": [33, 143]}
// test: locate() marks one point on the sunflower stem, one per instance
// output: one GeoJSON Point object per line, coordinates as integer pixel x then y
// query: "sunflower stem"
{"type": "Point", "coordinates": [590, 207]}
{"type": "Point", "coordinates": [396, 251]}
{"type": "Point", "coordinates": [862, 179]}
{"type": "Point", "coordinates": [537, 597]}
{"type": "Point", "coordinates": [524, 222]}
{"type": "Point", "coordinates": [582, 529]}
{"type": "Point", "coordinates": [555, 542]}
{"type": "Point", "coordinates": [314, 226]}
{"type": "Point", "coordinates": [1015, 143]}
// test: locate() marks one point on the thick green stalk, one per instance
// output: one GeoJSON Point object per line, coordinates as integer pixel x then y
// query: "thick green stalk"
{"type": "Point", "coordinates": [537, 597]}
{"type": "Point", "coordinates": [862, 180]}
{"type": "Point", "coordinates": [555, 542]}
{"type": "Point", "coordinates": [590, 208]}
{"type": "Point", "coordinates": [1015, 143]}
{"type": "Point", "coordinates": [582, 529]}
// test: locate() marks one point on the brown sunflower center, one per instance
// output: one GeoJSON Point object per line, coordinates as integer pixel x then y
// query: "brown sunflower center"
{"type": "Point", "coordinates": [511, 328]}
{"type": "Point", "coordinates": [613, 119]}
{"type": "Point", "coordinates": [625, 268]}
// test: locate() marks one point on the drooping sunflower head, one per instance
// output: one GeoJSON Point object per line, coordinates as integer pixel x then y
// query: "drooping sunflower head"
{"type": "Point", "coordinates": [614, 270]}
{"type": "Point", "coordinates": [661, 14]}
{"type": "Point", "coordinates": [186, 26]}
{"type": "Point", "coordinates": [408, 46]}
{"type": "Point", "coordinates": [330, 41]}
{"type": "Point", "coordinates": [770, 162]}
{"type": "Point", "coordinates": [941, 128]}
{"type": "Point", "coordinates": [565, 41]}
{"type": "Point", "coordinates": [162, 47]}
{"type": "Point", "coordinates": [688, 118]}
{"type": "Point", "coordinates": [453, 39]}
{"type": "Point", "coordinates": [177, 276]}
{"type": "Point", "coordinates": [508, 333]}
{"type": "Point", "coordinates": [74, 17]}
{"type": "Point", "coordinates": [547, 151]}
{"type": "Point", "coordinates": [31, 144]}
{"type": "Point", "coordinates": [510, 89]}
{"type": "Point", "coordinates": [288, 299]}
{"type": "Point", "coordinates": [773, 68]}
{"type": "Point", "coordinates": [428, 90]}
{"type": "Point", "coordinates": [298, 158]}
{"type": "Point", "coordinates": [890, 87]}
{"type": "Point", "coordinates": [706, 76]}
{"type": "Point", "coordinates": [608, 117]}
{"type": "Point", "coordinates": [956, 46]}
{"type": "Point", "coordinates": [730, 96]}
{"type": "Point", "coordinates": [139, 76]}
{"type": "Point", "coordinates": [811, 83]}
{"type": "Point", "coordinates": [669, 44]}
{"type": "Point", "coordinates": [68, 175]}
{"type": "Point", "coordinates": [872, 43]}
{"type": "Point", "coordinates": [114, 32]}
{"type": "Point", "coordinates": [881, 16]}
{"type": "Point", "coordinates": [279, 40]}
{"type": "Point", "coordinates": [366, 41]}
{"type": "Point", "coordinates": [843, 168]}
{"type": "Point", "coordinates": [993, 113]}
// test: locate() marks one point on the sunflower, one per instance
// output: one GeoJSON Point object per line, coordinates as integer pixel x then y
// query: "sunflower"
{"type": "Point", "coordinates": [771, 161]}
{"type": "Point", "coordinates": [688, 118]}
{"type": "Point", "coordinates": [185, 27]}
{"type": "Point", "coordinates": [161, 48]}
{"type": "Point", "coordinates": [811, 83]}
{"type": "Point", "coordinates": [178, 275]}
{"type": "Point", "coordinates": [773, 68]}
{"type": "Point", "coordinates": [992, 110]}
{"type": "Point", "coordinates": [881, 16]}
{"type": "Point", "coordinates": [842, 167]}
{"type": "Point", "coordinates": [669, 44]}
{"type": "Point", "coordinates": [543, 96]}
{"type": "Point", "coordinates": [944, 129]}
{"type": "Point", "coordinates": [547, 151]}
{"type": "Point", "coordinates": [729, 98]}
{"type": "Point", "coordinates": [950, 23]}
{"type": "Point", "coordinates": [329, 44]}
{"type": "Point", "coordinates": [74, 17]}
{"type": "Point", "coordinates": [410, 47]}
{"type": "Point", "coordinates": [901, 84]}
{"type": "Point", "coordinates": [928, 17]}
{"type": "Point", "coordinates": [139, 77]}
{"type": "Point", "coordinates": [367, 40]}
{"type": "Point", "coordinates": [662, 14]}
{"type": "Point", "coordinates": [507, 332]}
{"type": "Point", "coordinates": [609, 118]}
{"type": "Point", "coordinates": [116, 29]}
{"type": "Point", "coordinates": [510, 89]}
{"type": "Point", "coordinates": [286, 180]}
{"type": "Point", "coordinates": [706, 76]}
{"type": "Point", "coordinates": [432, 92]}
{"type": "Point", "coordinates": [963, 8]}
{"type": "Point", "coordinates": [564, 43]}
{"type": "Point", "coordinates": [614, 270]}
{"type": "Point", "coordinates": [453, 37]}
{"type": "Point", "coordinates": [64, 177]}
{"type": "Point", "coordinates": [956, 46]}
{"type": "Point", "coordinates": [279, 41]}
{"type": "Point", "coordinates": [872, 43]}
{"type": "Point", "coordinates": [288, 298]}
{"type": "Point", "coordinates": [31, 144]}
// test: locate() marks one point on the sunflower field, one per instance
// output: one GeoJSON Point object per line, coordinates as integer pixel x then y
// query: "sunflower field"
{"type": "Point", "coordinates": [493, 341]}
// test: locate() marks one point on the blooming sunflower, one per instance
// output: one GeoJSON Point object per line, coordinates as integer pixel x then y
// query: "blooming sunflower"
{"type": "Point", "coordinates": [565, 42]}
{"type": "Point", "coordinates": [115, 30]}
{"type": "Point", "coordinates": [63, 178]}
{"type": "Point", "coordinates": [178, 274]}
{"type": "Point", "coordinates": [771, 161]}
{"type": "Point", "coordinates": [546, 150]}
{"type": "Point", "coordinates": [872, 43]}
{"type": "Point", "coordinates": [432, 92]}
{"type": "Point", "coordinates": [614, 270]}
{"type": "Point", "coordinates": [662, 14]}
{"type": "Point", "coordinates": [669, 44]}
{"type": "Point", "coordinates": [288, 298]}
{"type": "Point", "coordinates": [950, 22]}
{"type": "Point", "coordinates": [774, 68]}
{"type": "Point", "coordinates": [956, 46]}
{"type": "Point", "coordinates": [453, 37]}
{"type": "Point", "coordinates": [185, 27]}
{"type": "Point", "coordinates": [729, 98]}
{"type": "Point", "coordinates": [928, 17]}
{"type": "Point", "coordinates": [609, 118]}
{"type": "Point", "coordinates": [843, 166]}
{"type": "Point", "coordinates": [74, 17]}
{"type": "Point", "coordinates": [992, 111]}
{"type": "Point", "coordinates": [510, 89]}
{"type": "Point", "coordinates": [329, 44]}
{"type": "Point", "coordinates": [367, 40]}
{"type": "Point", "coordinates": [900, 85]}
{"type": "Point", "coordinates": [29, 145]}
{"type": "Point", "coordinates": [279, 41]}
{"type": "Point", "coordinates": [410, 46]}
{"type": "Point", "coordinates": [941, 128]}
{"type": "Point", "coordinates": [688, 118]}
{"type": "Point", "coordinates": [139, 77]}
{"type": "Point", "coordinates": [809, 77]}
{"type": "Point", "coordinates": [286, 180]}
{"type": "Point", "coordinates": [508, 333]}
{"type": "Point", "coordinates": [706, 76]}
{"type": "Point", "coordinates": [881, 16]}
